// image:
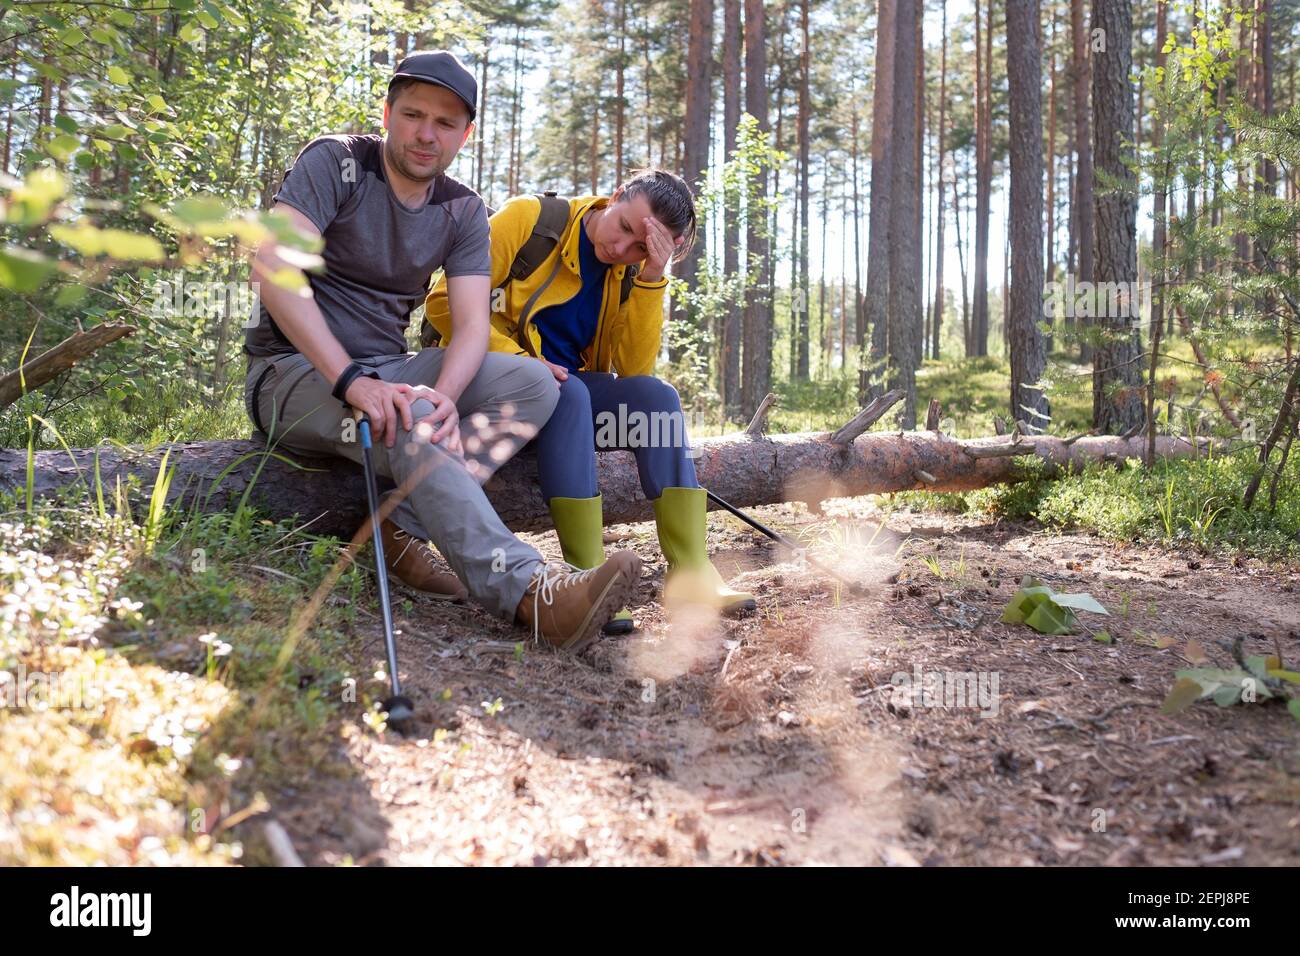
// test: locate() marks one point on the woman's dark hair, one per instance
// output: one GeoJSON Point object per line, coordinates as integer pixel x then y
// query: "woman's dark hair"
{"type": "Point", "coordinates": [670, 202]}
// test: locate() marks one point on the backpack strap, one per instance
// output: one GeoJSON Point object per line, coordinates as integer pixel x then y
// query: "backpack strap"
{"type": "Point", "coordinates": [552, 220]}
{"type": "Point", "coordinates": [625, 287]}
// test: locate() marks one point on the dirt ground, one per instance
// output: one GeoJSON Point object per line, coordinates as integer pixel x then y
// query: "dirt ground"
{"type": "Point", "coordinates": [783, 739]}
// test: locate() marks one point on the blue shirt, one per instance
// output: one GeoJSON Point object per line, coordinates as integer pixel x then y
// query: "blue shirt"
{"type": "Point", "coordinates": [568, 327]}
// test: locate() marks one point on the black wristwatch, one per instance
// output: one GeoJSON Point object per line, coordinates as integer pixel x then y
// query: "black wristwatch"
{"type": "Point", "coordinates": [350, 374]}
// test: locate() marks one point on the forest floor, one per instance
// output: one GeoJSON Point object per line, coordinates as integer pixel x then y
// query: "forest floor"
{"type": "Point", "coordinates": [783, 738]}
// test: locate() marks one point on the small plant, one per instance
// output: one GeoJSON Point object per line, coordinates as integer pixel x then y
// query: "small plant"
{"type": "Point", "coordinates": [1046, 611]}
{"type": "Point", "coordinates": [1165, 507]}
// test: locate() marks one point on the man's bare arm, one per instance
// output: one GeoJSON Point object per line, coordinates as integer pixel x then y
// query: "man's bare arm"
{"type": "Point", "coordinates": [467, 300]}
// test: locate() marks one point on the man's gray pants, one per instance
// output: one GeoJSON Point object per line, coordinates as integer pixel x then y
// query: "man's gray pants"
{"type": "Point", "coordinates": [501, 410]}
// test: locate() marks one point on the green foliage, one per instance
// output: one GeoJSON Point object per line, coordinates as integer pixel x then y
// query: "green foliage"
{"type": "Point", "coordinates": [1046, 611]}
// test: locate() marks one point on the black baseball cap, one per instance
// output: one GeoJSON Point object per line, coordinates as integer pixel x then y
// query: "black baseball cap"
{"type": "Point", "coordinates": [442, 69]}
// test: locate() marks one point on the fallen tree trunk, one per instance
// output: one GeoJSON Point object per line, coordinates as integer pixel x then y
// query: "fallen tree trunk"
{"type": "Point", "coordinates": [50, 365]}
{"type": "Point", "coordinates": [745, 471]}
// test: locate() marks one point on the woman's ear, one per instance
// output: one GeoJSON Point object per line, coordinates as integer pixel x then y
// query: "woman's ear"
{"type": "Point", "coordinates": [618, 194]}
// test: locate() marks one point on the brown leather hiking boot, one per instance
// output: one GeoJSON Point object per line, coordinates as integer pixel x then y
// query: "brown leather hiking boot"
{"type": "Point", "coordinates": [568, 607]}
{"type": "Point", "coordinates": [411, 561]}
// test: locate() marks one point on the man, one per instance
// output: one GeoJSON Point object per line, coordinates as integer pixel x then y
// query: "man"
{"type": "Point", "coordinates": [443, 420]}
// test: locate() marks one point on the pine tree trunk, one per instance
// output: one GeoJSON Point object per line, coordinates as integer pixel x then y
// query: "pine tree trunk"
{"type": "Point", "coordinates": [1117, 360]}
{"type": "Point", "coordinates": [937, 322]}
{"type": "Point", "coordinates": [756, 359]}
{"type": "Point", "coordinates": [731, 323]}
{"type": "Point", "coordinates": [805, 112]}
{"type": "Point", "coordinates": [904, 236]}
{"type": "Point", "coordinates": [983, 176]}
{"type": "Point", "coordinates": [882, 130]}
{"type": "Point", "coordinates": [1025, 308]}
{"type": "Point", "coordinates": [1049, 254]}
{"type": "Point", "coordinates": [1081, 207]}
{"type": "Point", "coordinates": [961, 263]}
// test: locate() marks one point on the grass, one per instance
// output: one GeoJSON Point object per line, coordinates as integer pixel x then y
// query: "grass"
{"type": "Point", "coordinates": [1183, 503]}
{"type": "Point", "coordinates": [173, 409]}
{"type": "Point", "coordinates": [178, 623]}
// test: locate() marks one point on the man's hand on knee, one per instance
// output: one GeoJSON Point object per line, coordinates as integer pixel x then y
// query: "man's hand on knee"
{"type": "Point", "coordinates": [442, 422]}
{"type": "Point", "coordinates": [385, 404]}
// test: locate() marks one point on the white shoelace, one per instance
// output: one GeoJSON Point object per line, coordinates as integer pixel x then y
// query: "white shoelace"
{"type": "Point", "coordinates": [549, 577]}
{"type": "Point", "coordinates": [400, 535]}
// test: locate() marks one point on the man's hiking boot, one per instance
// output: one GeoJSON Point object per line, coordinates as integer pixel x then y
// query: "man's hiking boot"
{"type": "Point", "coordinates": [412, 562]}
{"type": "Point", "coordinates": [568, 607]}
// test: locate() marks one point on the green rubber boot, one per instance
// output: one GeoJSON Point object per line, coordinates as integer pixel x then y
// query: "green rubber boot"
{"type": "Point", "coordinates": [692, 578]}
{"type": "Point", "coordinates": [579, 524]}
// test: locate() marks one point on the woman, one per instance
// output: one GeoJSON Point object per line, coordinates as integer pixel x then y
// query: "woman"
{"type": "Point", "coordinates": [590, 306]}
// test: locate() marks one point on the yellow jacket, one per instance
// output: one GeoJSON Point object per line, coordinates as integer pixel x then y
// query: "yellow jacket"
{"type": "Point", "coordinates": [627, 339]}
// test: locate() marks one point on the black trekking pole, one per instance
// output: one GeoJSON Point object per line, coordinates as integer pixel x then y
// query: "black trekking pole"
{"type": "Point", "coordinates": [779, 538]}
{"type": "Point", "coordinates": [398, 706]}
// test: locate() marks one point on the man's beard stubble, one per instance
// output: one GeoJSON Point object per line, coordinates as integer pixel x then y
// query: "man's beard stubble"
{"type": "Point", "coordinates": [396, 157]}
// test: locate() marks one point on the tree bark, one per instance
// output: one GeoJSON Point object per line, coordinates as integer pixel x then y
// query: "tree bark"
{"type": "Point", "coordinates": [882, 127]}
{"type": "Point", "coordinates": [756, 360]}
{"type": "Point", "coordinates": [1117, 359]}
{"type": "Point", "coordinates": [731, 323]}
{"type": "Point", "coordinates": [699, 106]}
{"type": "Point", "coordinates": [1025, 308]}
{"type": "Point", "coordinates": [904, 236]}
{"type": "Point", "coordinates": [805, 114]}
{"type": "Point", "coordinates": [937, 321]}
{"type": "Point", "coordinates": [1081, 222]}
{"type": "Point", "coordinates": [983, 176]}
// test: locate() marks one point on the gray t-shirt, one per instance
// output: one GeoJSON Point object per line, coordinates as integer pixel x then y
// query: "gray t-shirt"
{"type": "Point", "coordinates": [379, 255]}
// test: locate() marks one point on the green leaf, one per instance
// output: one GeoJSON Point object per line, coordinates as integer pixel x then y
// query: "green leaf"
{"type": "Point", "coordinates": [23, 270]}
{"type": "Point", "coordinates": [157, 103]}
{"type": "Point", "coordinates": [1050, 619]}
{"type": "Point", "coordinates": [1103, 637]}
{"type": "Point", "coordinates": [62, 146]}
{"type": "Point", "coordinates": [1260, 664]}
{"type": "Point", "coordinates": [1080, 602]}
{"type": "Point", "coordinates": [31, 202]}
{"type": "Point", "coordinates": [1023, 603]}
{"type": "Point", "coordinates": [65, 123]}
{"type": "Point", "coordinates": [1291, 676]}
{"type": "Point", "coordinates": [121, 244]}
{"type": "Point", "coordinates": [70, 295]}
{"type": "Point", "coordinates": [1182, 695]}
{"type": "Point", "coordinates": [71, 36]}
{"type": "Point", "coordinates": [1293, 705]}
{"type": "Point", "coordinates": [207, 19]}
{"type": "Point", "coordinates": [1227, 695]}
{"type": "Point", "coordinates": [119, 76]}
{"type": "Point", "coordinates": [118, 243]}
{"type": "Point", "coordinates": [200, 209]}
{"type": "Point", "coordinates": [286, 278]}
{"type": "Point", "coordinates": [307, 261]}
{"type": "Point", "coordinates": [81, 235]}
